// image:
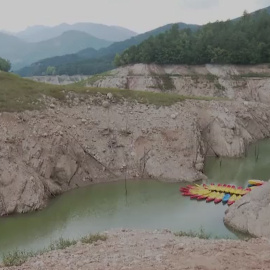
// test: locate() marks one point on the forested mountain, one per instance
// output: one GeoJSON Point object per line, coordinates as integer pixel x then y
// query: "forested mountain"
{"type": "Point", "coordinates": [21, 53]}
{"type": "Point", "coordinates": [101, 31]}
{"type": "Point", "coordinates": [243, 41]}
{"type": "Point", "coordinates": [212, 43]}
{"type": "Point", "coordinates": [85, 61]}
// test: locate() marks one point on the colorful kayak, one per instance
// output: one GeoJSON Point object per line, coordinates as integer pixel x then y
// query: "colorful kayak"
{"type": "Point", "coordinates": [224, 188]}
{"type": "Point", "coordinates": [195, 192]}
{"type": "Point", "coordinates": [212, 187]}
{"type": "Point", "coordinates": [212, 196]}
{"type": "Point", "coordinates": [216, 192]}
{"type": "Point", "coordinates": [255, 182]}
{"type": "Point", "coordinates": [219, 198]}
{"type": "Point", "coordinates": [238, 197]}
{"type": "Point", "coordinates": [226, 197]}
{"type": "Point", "coordinates": [232, 199]}
{"type": "Point", "coordinates": [238, 190]}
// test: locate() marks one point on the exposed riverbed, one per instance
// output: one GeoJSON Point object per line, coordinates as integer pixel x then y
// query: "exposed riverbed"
{"type": "Point", "coordinates": [148, 204]}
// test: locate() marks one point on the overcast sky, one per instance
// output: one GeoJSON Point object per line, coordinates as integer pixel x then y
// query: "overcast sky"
{"type": "Point", "coordinates": [137, 15]}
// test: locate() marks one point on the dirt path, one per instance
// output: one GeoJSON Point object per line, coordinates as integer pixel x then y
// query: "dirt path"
{"type": "Point", "coordinates": [158, 250]}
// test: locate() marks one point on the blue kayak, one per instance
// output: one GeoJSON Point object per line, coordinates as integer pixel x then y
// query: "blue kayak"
{"type": "Point", "coordinates": [226, 197]}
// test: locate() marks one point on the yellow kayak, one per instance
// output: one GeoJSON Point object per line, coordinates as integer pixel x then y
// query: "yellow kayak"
{"type": "Point", "coordinates": [220, 188]}
{"type": "Point", "coordinates": [237, 191]}
{"type": "Point", "coordinates": [238, 197]}
{"type": "Point", "coordinates": [232, 189]}
{"type": "Point", "coordinates": [255, 182]}
{"type": "Point", "coordinates": [199, 191]}
{"type": "Point", "coordinates": [232, 199]}
{"type": "Point", "coordinates": [212, 196]}
{"type": "Point", "coordinates": [219, 198]}
{"type": "Point", "coordinates": [212, 187]}
{"type": "Point", "coordinates": [244, 191]}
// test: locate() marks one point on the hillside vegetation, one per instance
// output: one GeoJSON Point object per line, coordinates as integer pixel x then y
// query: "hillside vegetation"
{"type": "Point", "coordinates": [244, 41]}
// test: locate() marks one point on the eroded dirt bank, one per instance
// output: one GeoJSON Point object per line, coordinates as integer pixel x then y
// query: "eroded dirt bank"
{"type": "Point", "coordinates": [162, 250]}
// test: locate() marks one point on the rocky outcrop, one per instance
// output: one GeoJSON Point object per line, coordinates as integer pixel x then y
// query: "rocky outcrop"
{"type": "Point", "coordinates": [248, 83]}
{"type": "Point", "coordinates": [244, 83]}
{"type": "Point", "coordinates": [156, 250]}
{"type": "Point", "coordinates": [251, 214]}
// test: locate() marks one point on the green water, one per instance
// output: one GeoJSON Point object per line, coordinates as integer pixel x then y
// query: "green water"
{"type": "Point", "coordinates": [148, 205]}
{"type": "Point", "coordinates": [256, 165]}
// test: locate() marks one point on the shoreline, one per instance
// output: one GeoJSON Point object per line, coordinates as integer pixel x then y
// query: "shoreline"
{"type": "Point", "coordinates": [140, 249]}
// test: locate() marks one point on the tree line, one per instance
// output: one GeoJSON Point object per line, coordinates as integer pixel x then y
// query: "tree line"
{"type": "Point", "coordinates": [242, 41]}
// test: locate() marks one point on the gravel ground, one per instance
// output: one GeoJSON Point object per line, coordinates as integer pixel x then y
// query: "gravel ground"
{"type": "Point", "coordinates": [159, 250]}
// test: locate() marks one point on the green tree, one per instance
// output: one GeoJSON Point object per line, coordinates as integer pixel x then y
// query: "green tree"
{"type": "Point", "coordinates": [50, 70]}
{"type": "Point", "coordinates": [4, 65]}
{"type": "Point", "coordinates": [117, 60]}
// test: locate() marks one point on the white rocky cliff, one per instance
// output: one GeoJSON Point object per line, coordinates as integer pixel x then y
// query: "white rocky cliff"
{"type": "Point", "coordinates": [88, 139]}
{"type": "Point", "coordinates": [93, 139]}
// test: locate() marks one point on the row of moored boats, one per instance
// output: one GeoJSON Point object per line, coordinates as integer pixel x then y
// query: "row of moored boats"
{"type": "Point", "coordinates": [228, 194]}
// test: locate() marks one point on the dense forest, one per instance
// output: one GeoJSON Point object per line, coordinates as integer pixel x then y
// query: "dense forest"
{"type": "Point", "coordinates": [242, 41]}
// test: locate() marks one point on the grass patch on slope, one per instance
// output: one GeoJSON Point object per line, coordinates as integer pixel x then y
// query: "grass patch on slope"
{"type": "Point", "coordinates": [251, 75]}
{"type": "Point", "coordinates": [17, 258]}
{"type": "Point", "coordinates": [93, 238]}
{"type": "Point", "coordinates": [144, 97]}
{"type": "Point", "coordinates": [19, 94]}
{"type": "Point", "coordinates": [201, 234]}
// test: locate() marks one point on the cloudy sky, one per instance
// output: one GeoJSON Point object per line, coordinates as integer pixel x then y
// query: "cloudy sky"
{"type": "Point", "coordinates": [137, 15]}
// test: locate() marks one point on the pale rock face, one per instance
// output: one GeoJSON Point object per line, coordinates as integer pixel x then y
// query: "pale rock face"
{"type": "Point", "coordinates": [65, 169]}
{"type": "Point", "coordinates": [205, 80]}
{"type": "Point", "coordinates": [88, 139]}
{"type": "Point", "coordinates": [145, 138]}
{"type": "Point", "coordinates": [251, 214]}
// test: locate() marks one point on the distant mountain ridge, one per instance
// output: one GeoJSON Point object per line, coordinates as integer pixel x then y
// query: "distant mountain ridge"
{"type": "Point", "coordinates": [85, 61]}
{"type": "Point", "coordinates": [111, 33]}
{"type": "Point", "coordinates": [22, 53]}
{"type": "Point", "coordinates": [106, 55]}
